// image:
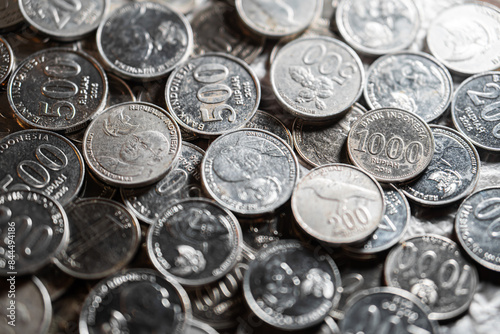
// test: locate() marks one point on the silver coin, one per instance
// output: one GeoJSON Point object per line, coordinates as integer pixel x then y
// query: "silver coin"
{"type": "Point", "coordinates": [338, 204]}
{"type": "Point", "coordinates": [136, 301]}
{"type": "Point", "coordinates": [466, 38]}
{"type": "Point", "coordinates": [198, 327]}
{"type": "Point", "coordinates": [252, 326]}
{"type": "Point", "coordinates": [103, 237]}
{"type": "Point", "coordinates": [276, 19]}
{"type": "Point", "coordinates": [476, 224]}
{"type": "Point", "coordinates": [265, 121]}
{"type": "Point", "coordinates": [325, 144]}
{"type": "Point", "coordinates": [474, 110]}
{"type": "Point", "coordinates": [26, 306]}
{"type": "Point", "coordinates": [181, 183]}
{"type": "Point", "coordinates": [432, 268]}
{"type": "Point", "coordinates": [195, 241]}
{"type": "Point", "coordinates": [250, 172]}
{"type": "Point", "coordinates": [384, 310]}
{"type": "Point", "coordinates": [7, 60]}
{"type": "Point", "coordinates": [411, 81]}
{"type": "Point", "coordinates": [215, 29]}
{"type": "Point", "coordinates": [452, 174]}
{"type": "Point", "coordinates": [92, 187]}
{"type": "Point", "coordinates": [57, 89]}
{"type": "Point", "coordinates": [317, 78]}
{"type": "Point", "coordinates": [64, 20]}
{"type": "Point", "coordinates": [144, 40]}
{"type": "Point", "coordinates": [132, 144]}
{"type": "Point", "coordinates": [183, 6]}
{"type": "Point", "coordinates": [227, 94]}
{"type": "Point", "coordinates": [259, 234]}
{"type": "Point", "coordinates": [33, 228]}
{"type": "Point", "coordinates": [378, 27]}
{"type": "Point", "coordinates": [392, 145]}
{"type": "Point", "coordinates": [291, 287]}
{"type": "Point", "coordinates": [43, 161]}
{"type": "Point", "coordinates": [10, 14]}
{"type": "Point", "coordinates": [119, 91]}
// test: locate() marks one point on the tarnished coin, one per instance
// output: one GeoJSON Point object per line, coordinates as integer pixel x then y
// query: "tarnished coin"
{"type": "Point", "coordinates": [64, 20]}
{"type": "Point", "coordinates": [181, 183]}
{"type": "Point", "coordinates": [290, 286]}
{"type": "Point", "coordinates": [144, 40]}
{"type": "Point", "coordinates": [136, 301]}
{"type": "Point", "coordinates": [6, 60]}
{"type": "Point", "coordinates": [41, 160]}
{"type": "Point", "coordinates": [411, 81]}
{"type": "Point", "coordinates": [466, 38]}
{"type": "Point", "coordinates": [432, 268]}
{"type": "Point", "coordinates": [474, 110]}
{"type": "Point", "coordinates": [212, 94]}
{"type": "Point", "coordinates": [195, 241]}
{"type": "Point", "coordinates": [249, 172]}
{"type": "Point", "coordinates": [392, 145]}
{"type": "Point", "coordinates": [103, 237]}
{"type": "Point", "coordinates": [33, 227]}
{"type": "Point", "coordinates": [132, 144]}
{"type": "Point", "coordinates": [10, 14]}
{"type": "Point", "coordinates": [378, 27]}
{"type": "Point", "coordinates": [276, 19]}
{"type": "Point", "coordinates": [325, 144]}
{"type": "Point", "coordinates": [476, 224]}
{"type": "Point", "coordinates": [92, 187]}
{"type": "Point", "coordinates": [57, 89]}
{"type": "Point", "coordinates": [385, 310]}
{"type": "Point", "coordinates": [317, 78]}
{"type": "Point", "coordinates": [265, 121]}
{"type": "Point", "coordinates": [452, 173]}
{"type": "Point", "coordinates": [338, 204]}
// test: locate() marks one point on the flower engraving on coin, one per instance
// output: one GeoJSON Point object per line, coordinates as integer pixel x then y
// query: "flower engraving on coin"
{"type": "Point", "coordinates": [189, 261]}
{"type": "Point", "coordinates": [315, 88]}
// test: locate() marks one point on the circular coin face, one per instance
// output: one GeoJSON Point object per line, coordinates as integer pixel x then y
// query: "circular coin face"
{"type": "Point", "coordinates": [10, 14]}
{"type": "Point", "coordinates": [392, 145]}
{"type": "Point", "coordinates": [6, 60]}
{"type": "Point", "coordinates": [466, 38]}
{"type": "Point", "coordinates": [432, 268]}
{"type": "Point", "coordinates": [378, 27]}
{"type": "Point", "coordinates": [290, 286]}
{"type": "Point", "coordinates": [57, 89]}
{"type": "Point", "coordinates": [476, 224]}
{"type": "Point", "coordinates": [144, 40]}
{"type": "Point", "coordinates": [317, 78]}
{"type": "Point", "coordinates": [265, 121]}
{"type": "Point", "coordinates": [249, 172]}
{"type": "Point", "coordinates": [338, 204]}
{"type": "Point", "coordinates": [136, 301]}
{"type": "Point", "coordinates": [213, 94]}
{"type": "Point", "coordinates": [132, 144]}
{"type": "Point", "coordinates": [36, 225]}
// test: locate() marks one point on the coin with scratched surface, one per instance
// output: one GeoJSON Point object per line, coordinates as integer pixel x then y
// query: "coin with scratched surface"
{"type": "Point", "coordinates": [452, 173]}
{"type": "Point", "coordinates": [6, 60]}
{"type": "Point", "coordinates": [41, 160]}
{"type": "Point", "coordinates": [136, 301]}
{"type": "Point", "coordinates": [338, 204]}
{"type": "Point", "coordinates": [392, 145]}
{"type": "Point", "coordinates": [213, 94]}
{"type": "Point", "coordinates": [466, 38]}
{"type": "Point", "coordinates": [290, 286]}
{"type": "Point", "coordinates": [474, 110]}
{"type": "Point", "coordinates": [34, 228]}
{"type": "Point", "coordinates": [378, 27]}
{"type": "Point", "coordinates": [103, 237]}
{"type": "Point", "coordinates": [181, 183]}
{"type": "Point", "coordinates": [10, 14]}
{"type": "Point", "coordinates": [265, 121]}
{"type": "Point", "coordinates": [317, 78]}
{"type": "Point", "coordinates": [384, 310]}
{"type": "Point", "coordinates": [274, 19]}
{"type": "Point", "coordinates": [412, 81]}
{"type": "Point", "coordinates": [250, 172]}
{"type": "Point", "coordinates": [132, 144]}
{"type": "Point", "coordinates": [476, 224]}
{"type": "Point", "coordinates": [64, 20]}
{"type": "Point", "coordinates": [144, 40]}
{"type": "Point", "coordinates": [57, 89]}
{"type": "Point", "coordinates": [432, 268]}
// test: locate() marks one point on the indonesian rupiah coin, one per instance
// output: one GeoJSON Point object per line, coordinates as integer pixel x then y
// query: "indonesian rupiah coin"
{"type": "Point", "coordinates": [317, 78]}
{"type": "Point", "coordinates": [265, 121]}
{"type": "Point", "coordinates": [392, 145]}
{"type": "Point", "coordinates": [7, 60]}
{"type": "Point", "coordinates": [10, 15]}
{"type": "Point", "coordinates": [212, 94]}
{"type": "Point", "coordinates": [132, 144]}
{"type": "Point", "coordinates": [432, 268]}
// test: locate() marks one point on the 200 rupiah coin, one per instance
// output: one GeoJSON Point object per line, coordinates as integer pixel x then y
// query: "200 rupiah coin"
{"type": "Point", "coordinates": [392, 145]}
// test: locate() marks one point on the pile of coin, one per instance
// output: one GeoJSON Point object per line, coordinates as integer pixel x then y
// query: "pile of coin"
{"type": "Point", "coordinates": [204, 166]}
